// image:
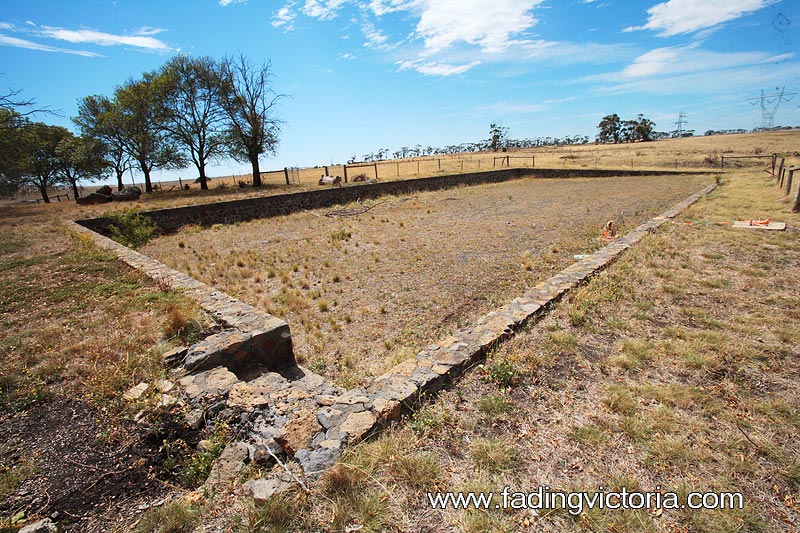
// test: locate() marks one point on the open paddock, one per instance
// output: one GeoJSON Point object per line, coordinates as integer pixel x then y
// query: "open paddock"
{"type": "Point", "coordinates": [362, 293]}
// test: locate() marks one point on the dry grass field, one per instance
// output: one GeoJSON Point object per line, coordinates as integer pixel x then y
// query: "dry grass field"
{"type": "Point", "coordinates": [364, 293]}
{"type": "Point", "coordinates": [677, 367]}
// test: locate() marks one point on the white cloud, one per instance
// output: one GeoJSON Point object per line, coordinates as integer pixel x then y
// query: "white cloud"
{"type": "Point", "coordinates": [284, 17]}
{"type": "Point", "coordinates": [436, 69]}
{"type": "Point", "coordinates": [104, 39]}
{"type": "Point", "coordinates": [685, 59]}
{"type": "Point", "coordinates": [374, 36]}
{"type": "Point", "coordinates": [490, 24]}
{"type": "Point", "coordinates": [676, 17]}
{"type": "Point", "coordinates": [6, 26]}
{"type": "Point", "coordinates": [6, 40]}
{"type": "Point", "coordinates": [323, 9]}
{"type": "Point", "coordinates": [224, 3]}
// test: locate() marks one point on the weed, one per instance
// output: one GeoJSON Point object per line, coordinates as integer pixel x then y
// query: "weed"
{"type": "Point", "coordinates": [174, 517]}
{"type": "Point", "coordinates": [131, 228]}
{"type": "Point", "coordinates": [502, 373]}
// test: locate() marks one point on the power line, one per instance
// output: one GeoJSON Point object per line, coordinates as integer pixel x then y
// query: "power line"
{"type": "Point", "coordinates": [768, 110]}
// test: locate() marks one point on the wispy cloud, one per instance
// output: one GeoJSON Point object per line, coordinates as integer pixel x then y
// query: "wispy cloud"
{"type": "Point", "coordinates": [225, 3]}
{"type": "Point", "coordinates": [6, 40]}
{"type": "Point", "coordinates": [284, 17]}
{"type": "Point", "coordinates": [676, 17]}
{"type": "Point", "coordinates": [100, 38]}
{"type": "Point", "coordinates": [374, 36]}
{"type": "Point", "coordinates": [436, 69]}
{"type": "Point", "coordinates": [323, 9]}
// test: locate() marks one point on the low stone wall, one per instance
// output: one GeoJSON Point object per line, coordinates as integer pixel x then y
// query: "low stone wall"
{"type": "Point", "coordinates": [286, 410]}
{"type": "Point", "coordinates": [249, 338]}
{"type": "Point", "coordinates": [172, 219]}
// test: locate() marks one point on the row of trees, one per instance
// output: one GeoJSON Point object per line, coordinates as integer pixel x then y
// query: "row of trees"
{"type": "Point", "coordinates": [498, 140]}
{"type": "Point", "coordinates": [193, 110]}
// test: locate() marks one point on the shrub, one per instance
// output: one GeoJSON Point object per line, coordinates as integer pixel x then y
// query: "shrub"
{"type": "Point", "coordinates": [131, 228]}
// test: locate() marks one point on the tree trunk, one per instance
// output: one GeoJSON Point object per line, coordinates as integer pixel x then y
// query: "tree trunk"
{"type": "Point", "coordinates": [74, 184]}
{"type": "Point", "coordinates": [256, 172]}
{"type": "Point", "coordinates": [203, 179]}
{"type": "Point", "coordinates": [43, 190]}
{"type": "Point", "coordinates": [119, 172]}
{"type": "Point", "coordinates": [148, 187]}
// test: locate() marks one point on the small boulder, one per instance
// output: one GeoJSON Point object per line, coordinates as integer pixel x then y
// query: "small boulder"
{"type": "Point", "coordinates": [93, 199]}
{"type": "Point", "coordinates": [105, 189]}
{"type": "Point", "coordinates": [262, 489]}
{"type": "Point", "coordinates": [128, 194]}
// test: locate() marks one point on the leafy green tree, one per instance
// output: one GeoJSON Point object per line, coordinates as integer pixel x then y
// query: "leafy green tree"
{"type": "Point", "coordinates": [138, 107]}
{"type": "Point", "coordinates": [99, 120]}
{"type": "Point", "coordinates": [29, 156]}
{"type": "Point", "coordinates": [610, 129]}
{"type": "Point", "coordinates": [194, 117]}
{"type": "Point", "coordinates": [644, 128]}
{"type": "Point", "coordinates": [497, 136]}
{"type": "Point", "coordinates": [81, 159]}
{"type": "Point", "coordinates": [249, 101]}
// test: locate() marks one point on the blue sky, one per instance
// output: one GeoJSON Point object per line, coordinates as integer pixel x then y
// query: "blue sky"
{"type": "Point", "coordinates": [361, 75]}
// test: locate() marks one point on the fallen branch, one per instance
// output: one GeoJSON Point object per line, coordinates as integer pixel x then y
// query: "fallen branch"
{"type": "Point", "coordinates": [352, 212]}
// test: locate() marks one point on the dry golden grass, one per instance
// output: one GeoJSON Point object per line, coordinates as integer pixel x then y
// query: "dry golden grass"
{"type": "Point", "coordinates": [364, 293]}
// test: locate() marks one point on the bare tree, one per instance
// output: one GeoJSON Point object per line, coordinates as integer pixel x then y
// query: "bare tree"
{"type": "Point", "coordinates": [249, 103]}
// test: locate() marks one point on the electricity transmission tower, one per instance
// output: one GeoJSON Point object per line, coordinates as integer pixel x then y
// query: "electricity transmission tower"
{"type": "Point", "coordinates": [681, 121]}
{"type": "Point", "coordinates": [768, 110]}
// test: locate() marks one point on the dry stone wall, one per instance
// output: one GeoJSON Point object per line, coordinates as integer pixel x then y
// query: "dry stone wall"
{"type": "Point", "coordinates": [172, 219]}
{"type": "Point", "coordinates": [247, 373]}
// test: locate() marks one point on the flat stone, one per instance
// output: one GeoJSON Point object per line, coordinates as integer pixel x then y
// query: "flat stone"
{"type": "Point", "coordinates": [317, 461]}
{"type": "Point", "coordinates": [357, 425]}
{"type": "Point", "coordinates": [299, 431]}
{"type": "Point", "coordinates": [326, 400]}
{"type": "Point", "coordinates": [164, 385]}
{"type": "Point", "coordinates": [398, 389]}
{"type": "Point", "coordinates": [386, 410]}
{"type": "Point", "coordinates": [329, 417]}
{"type": "Point", "coordinates": [174, 357]}
{"type": "Point", "coordinates": [42, 526]}
{"type": "Point", "coordinates": [262, 489]}
{"type": "Point", "coordinates": [134, 393]}
{"type": "Point", "coordinates": [228, 464]}
{"type": "Point", "coordinates": [212, 383]}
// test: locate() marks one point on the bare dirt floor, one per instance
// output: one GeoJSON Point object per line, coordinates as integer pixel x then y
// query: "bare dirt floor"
{"type": "Point", "coordinates": [362, 293]}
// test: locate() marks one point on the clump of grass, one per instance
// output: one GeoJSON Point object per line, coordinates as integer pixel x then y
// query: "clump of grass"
{"type": "Point", "coordinates": [494, 405]}
{"type": "Point", "coordinates": [562, 341]}
{"type": "Point", "coordinates": [174, 517]}
{"type": "Point", "coordinates": [341, 235]}
{"type": "Point", "coordinates": [493, 454]}
{"type": "Point", "coordinates": [588, 434]}
{"type": "Point", "coordinates": [620, 400]}
{"type": "Point", "coordinates": [180, 324]}
{"type": "Point", "coordinates": [279, 514]}
{"type": "Point", "coordinates": [634, 353]}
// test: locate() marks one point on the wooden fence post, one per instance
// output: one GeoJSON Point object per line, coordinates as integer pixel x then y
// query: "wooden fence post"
{"type": "Point", "coordinates": [440, 164]}
{"type": "Point", "coordinates": [327, 172]}
{"type": "Point", "coordinates": [789, 180]}
{"type": "Point", "coordinates": [376, 171]}
{"type": "Point", "coordinates": [780, 170]}
{"type": "Point", "coordinates": [722, 162]}
{"type": "Point", "coordinates": [508, 161]}
{"type": "Point", "coordinates": [345, 173]}
{"type": "Point", "coordinates": [796, 207]}
{"type": "Point", "coordinates": [286, 174]}
{"type": "Point", "coordinates": [774, 159]}
{"type": "Point", "coordinates": [398, 169]}
{"type": "Point", "coordinates": [417, 168]}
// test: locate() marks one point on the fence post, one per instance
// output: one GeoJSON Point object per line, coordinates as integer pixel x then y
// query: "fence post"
{"type": "Point", "coordinates": [722, 163]}
{"type": "Point", "coordinates": [440, 164]}
{"type": "Point", "coordinates": [376, 171]}
{"type": "Point", "coordinates": [789, 180]}
{"type": "Point", "coordinates": [479, 163]}
{"type": "Point", "coordinates": [345, 173]}
{"type": "Point", "coordinates": [780, 170]}
{"type": "Point", "coordinates": [417, 168]}
{"type": "Point", "coordinates": [774, 158]}
{"type": "Point", "coordinates": [398, 169]}
{"type": "Point", "coordinates": [462, 165]}
{"type": "Point", "coordinates": [286, 174]}
{"type": "Point", "coordinates": [796, 207]}
{"type": "Point", "coordinates": [327, 172]}
{"type": "Point", "coordinates": [508, 162]}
